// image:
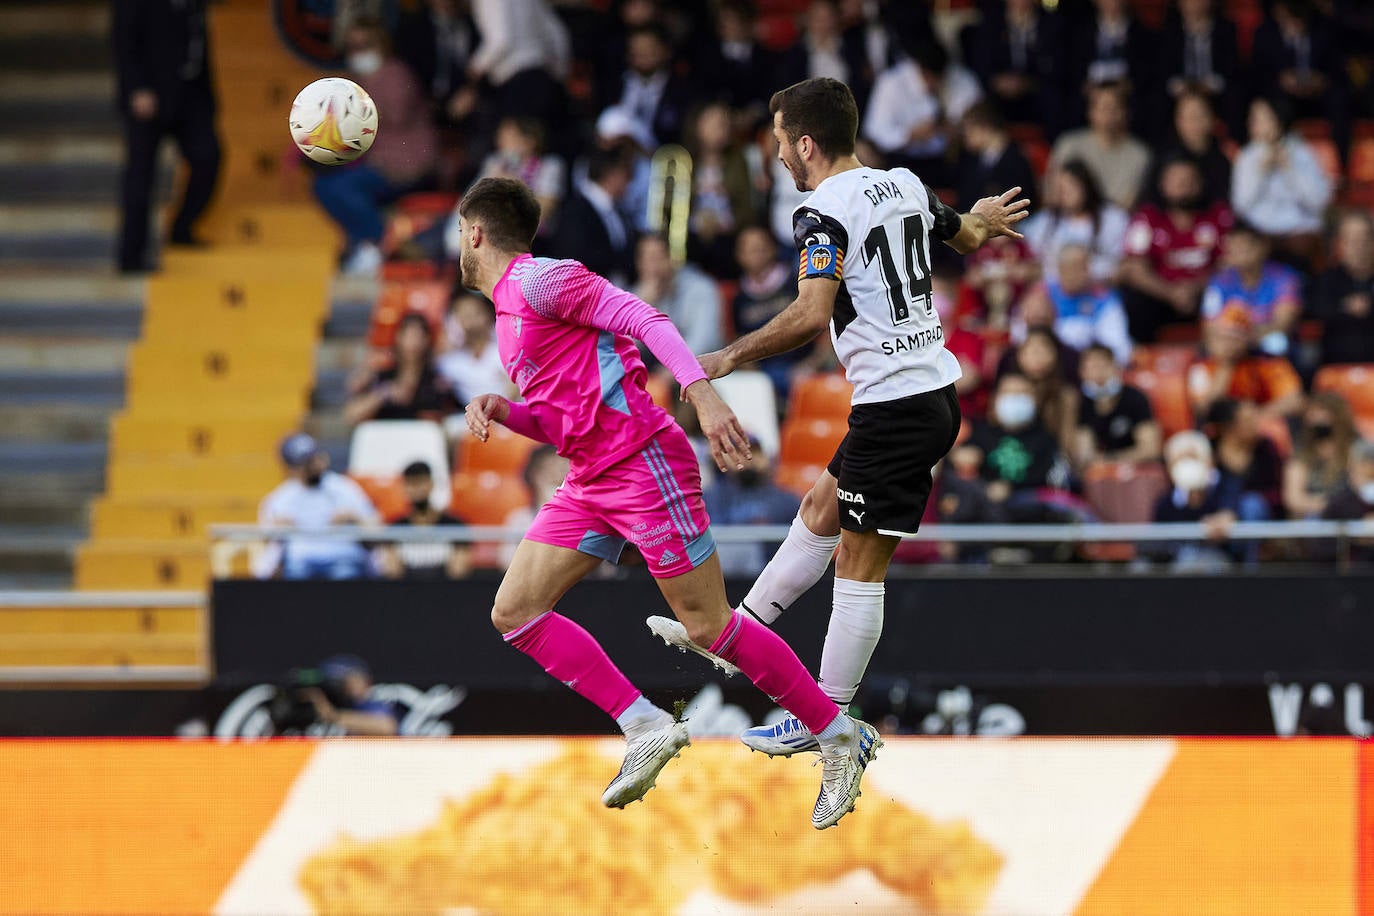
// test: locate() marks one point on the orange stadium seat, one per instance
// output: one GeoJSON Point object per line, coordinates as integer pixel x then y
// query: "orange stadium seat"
{"type": "Point", "coordinates": [1168, 394]}
{"type": "Point", "coordinates": [1164, 358]}
{"type": "Point", "coordinates": [1353, 382]}
{"type": "Point", "coordinates": [487, 497]}
{"type": "Point", "coordinates": [428, 297]}
{"type": "Point", "coordinates": [1360, 191]}
{"type": "Point", "coordinates": [821, 396]}
{"type": "Point", "coordinates": [661, 390]}
{"type": "Point", "coordinates": [811, 440]}
{"type": "Point", "coordinates": [504, 452]}
{"type": "Point", "coordinates": [798, 478]}
{"type": "Point", "coordinates": [386, 493]}
{"type": "Point", "coordinates": [1325, 151]}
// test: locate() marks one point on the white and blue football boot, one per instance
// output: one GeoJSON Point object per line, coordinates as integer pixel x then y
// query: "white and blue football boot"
{"type": "Point", "coordinates": [843, 762]}
{"type": "Point", "coordinates": [786, 738]}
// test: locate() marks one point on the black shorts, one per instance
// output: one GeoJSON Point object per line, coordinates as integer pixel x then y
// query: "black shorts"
{"type": "Point", "coordinates": [885, 462]}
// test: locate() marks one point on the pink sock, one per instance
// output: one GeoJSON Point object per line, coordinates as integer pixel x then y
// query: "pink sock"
{"type": "Point", "coordinates": [772, 665]}
{"type": "Point", "coordinates": [573, 655]}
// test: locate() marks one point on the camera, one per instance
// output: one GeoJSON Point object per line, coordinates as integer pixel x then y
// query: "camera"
{"type": "Point", "coordinates": [291, 710]}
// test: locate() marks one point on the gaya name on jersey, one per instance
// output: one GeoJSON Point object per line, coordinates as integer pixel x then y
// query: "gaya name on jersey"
{"type": "Point", "coordinates": [916, 341]}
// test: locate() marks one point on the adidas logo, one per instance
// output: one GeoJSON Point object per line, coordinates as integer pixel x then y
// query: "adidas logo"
{"type": "Point", "coordinates": [668, 558]}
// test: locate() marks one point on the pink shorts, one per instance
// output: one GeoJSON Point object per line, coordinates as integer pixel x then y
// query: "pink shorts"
{"type": "Point", "coordinates": [652, 500]}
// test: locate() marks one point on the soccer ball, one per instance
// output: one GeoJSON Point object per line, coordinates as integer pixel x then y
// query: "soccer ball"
{"type": "Point", "coordinates": [333, 121]}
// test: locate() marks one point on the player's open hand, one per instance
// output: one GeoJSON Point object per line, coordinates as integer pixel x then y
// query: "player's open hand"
{"type": "Point", "coordinates": [729, 444]}
{"type": "Point", "coordinates": [1002, 213]}
{"type": "Point", "coordinates": [716, 364]}
{"type": "Point", "coordinates": [482, 410]}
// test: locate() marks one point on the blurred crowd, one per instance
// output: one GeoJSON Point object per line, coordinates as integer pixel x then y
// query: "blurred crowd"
{"type": "Point", "coordinates": [1160, 345]}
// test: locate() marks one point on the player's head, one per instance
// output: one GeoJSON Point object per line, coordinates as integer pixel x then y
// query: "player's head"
{"type": "Point", "coordinates": [815, 123]}
{"type": "Point", "coordinates": [496, 216]}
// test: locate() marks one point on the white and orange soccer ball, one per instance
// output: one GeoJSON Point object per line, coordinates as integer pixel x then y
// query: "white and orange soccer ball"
{"type": "Point", "coordinates": [333, 121]}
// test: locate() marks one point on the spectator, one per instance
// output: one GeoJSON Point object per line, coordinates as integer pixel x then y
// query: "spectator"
{"type": "Point", "coordinates": [621, 135]}
{"type": "Point", "coordinates": [1355, 500]}
{"type": "Point", "coordinates": [436, 41]}
{"type": "Point", "coordinates": [825, 49]}
{"type": "Point", "coordinates": [522, 60]}
{"type": "Point", "coordinates": [1115, 421]}
{"type": "Point", "coordinates": [1019, 56]}
{"type": "Point", "coordinates": [1249, 466]}
{"type": "Point", "coordinates": [1112, 47]}
{"type": "Point", "coordinates": [416, 560]}
{"type": "Point", "coordinates": [1201, 58]}
{"type": "Point", "coordinates": [990, 162]}
{"type": "Point", "coordinates": [722, 192]}
{"type": "Point", "coordinates": [998, 275]}
{"type": "Point", "coordinates": [1036, 359]}
{"type": "Point", "coordinates": [162, 67]}
{"type": "Point", "coordinates": [685, 294]}
{"type": "Point", "coordinates": [312, 496]}
{"type": "Point", "coordinates": [749, 497]}
{"type": "Point", "coordinates": [473, 366]}
{"type": "Point", "coordinates": [1229, 370]}
{"type": "Point", "coordinates": [1015, 453]}
{"type": "Point", "coordinates": [1317, 470]}
{"type": "Point", "coordinates": [545, 471]}
{"type": "Point", "coordinates": [352, 711]}
{"type": "Point", "coordinates": [593, 228]}
{"type": "Point", "coordinates": [401, 160]}
{"type": "Point", "coordinates": [1297, 59]}
{"type": "Point", "coordinates": [1170, 251]}
{"type": "Point", "coordinates": [1344, 299]}
{"type": "Point", "coordinates": [732, 66]}
{"type": "Point", "coordinates": [649, 90]}
{"type": "Point", "coordinates": [411, 388]}
{"type": "Point", "coordinates": [1278, 185]}
{"type": "Point", "coordinates": [1270, 292]}
{"type": "Point", "coordinates": [1076, 214]}
{"type": "Point", "coordinates": [784, 197]}
{"type": "Point", "coordinates": [767, 286]}
{"type": "Point", "coordinates": [964, 343]}
{"type": "Point", "coordinates": [1117, 160]}
{"type": "Point", "coordinates": [914, 102]}
{"type": "Point", "coordinates": [1195, 497]}
{"type": "Point", "coordinates": [520, 153]}
{"type": "Point", "coordinates": [1080, 311]}
{"type": "Point", "coordinates": [1195, 139]}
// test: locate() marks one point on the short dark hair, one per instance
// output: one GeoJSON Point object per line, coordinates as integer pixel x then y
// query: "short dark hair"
{"type": "Point", "coordinates": [822, 109]}
{"type": "Point", "coordinates": [417, 469]}
{"type": "Point", "coordinates": [985, 113]}
{"type": "Point", "coordinates": [1245, 227]}
{"type": "Point", "coordinates": [508, 211]}
{"type": "Point", "coordinates": [1096, 347]}
{"type": "Point", "coordinates": [602, 162]}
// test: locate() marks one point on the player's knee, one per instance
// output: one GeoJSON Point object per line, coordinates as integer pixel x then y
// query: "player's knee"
{"type": "Point", "coordinates": [864, 558]}
{"type": "Point", "coordinates": [820, 515]}
{"type": "Point", "coordinates": [507, 615]}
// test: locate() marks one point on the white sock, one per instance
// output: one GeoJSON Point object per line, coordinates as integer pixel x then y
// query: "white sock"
{"type": "Point", "coordinates": [640, 712]}
{"type": "Point", "coordinates": [856, 622]}
{"type": "Point", "coordinates": [800, 562]}
{"type": "Point", "coordinates": [839, 726]}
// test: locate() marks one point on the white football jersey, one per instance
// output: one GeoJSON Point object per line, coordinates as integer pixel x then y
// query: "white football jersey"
{"type": "Point", "coordinates": [871, 230]}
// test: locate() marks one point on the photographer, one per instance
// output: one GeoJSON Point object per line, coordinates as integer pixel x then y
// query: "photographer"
{"type": "Point", "coordinates": [343, 699]}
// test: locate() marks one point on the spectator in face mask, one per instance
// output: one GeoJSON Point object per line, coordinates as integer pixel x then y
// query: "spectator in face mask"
{"type": "Point", "coordinates": [1013, 452]}
{"type": "Point", "coordinates": [1317, 470]}
{"type": "Point", "coordinates": [401, 160]}
{"type": "Point", "coordinates": [1115, 421]}
{"type": "Point", "coordinates": [435, 560]}
{"type": "Point", "coordinates": [1249, 467]}
{"type": "Point", "coordinates": [1194, 498]}
{"type": "Point", "coordinates": [312, 496]}
{"type": "Point", "coordinates": [749, 497]}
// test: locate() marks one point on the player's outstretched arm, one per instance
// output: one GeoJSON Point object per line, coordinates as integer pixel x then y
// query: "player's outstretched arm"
{"type": "Point", "coordinates": [795, 326]}
{"type": "Point", "coordinates": [518, 418]}
{"type": "Point", "coordinates": [989, 218]}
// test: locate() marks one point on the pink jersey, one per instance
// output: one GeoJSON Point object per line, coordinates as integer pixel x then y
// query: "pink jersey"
{"type": "Point", "coordinates": [567, 339]}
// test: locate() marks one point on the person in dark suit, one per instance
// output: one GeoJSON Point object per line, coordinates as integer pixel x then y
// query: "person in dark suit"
{"type": "Point", "coordinates": [1018, 54]}
{"type": "Point", "coordinates": [162, 59]}
{"type": "Point", "coordinates": [990, 162]}
{"type": "Point", "coordinates": [827, 49]}
{"type": "Point", "coordinates": [733, 67]}
{"type": "Point", "coordinates": [1113, 46]}
{"type": "Point", "coordinates": [1296, 57]}
{"type": "Point", "coordinates": [591, 227]}
{"type": "Point", "coordinates": [1200, 54]}
{"type": "Point", "coordinates": [436, 42]}
{"type": "Point", "coordinates": [1194, 139]}
{"type": "Point", "coordinates": [650, 90]}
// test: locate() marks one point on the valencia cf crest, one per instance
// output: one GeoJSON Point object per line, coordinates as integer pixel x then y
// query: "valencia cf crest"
{"type": "Point", "coordinates": [820, 259]}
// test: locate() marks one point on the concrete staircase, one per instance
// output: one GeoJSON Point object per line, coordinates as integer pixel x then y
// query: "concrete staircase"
{"type": "Point", "coordinates": [66, 319]}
